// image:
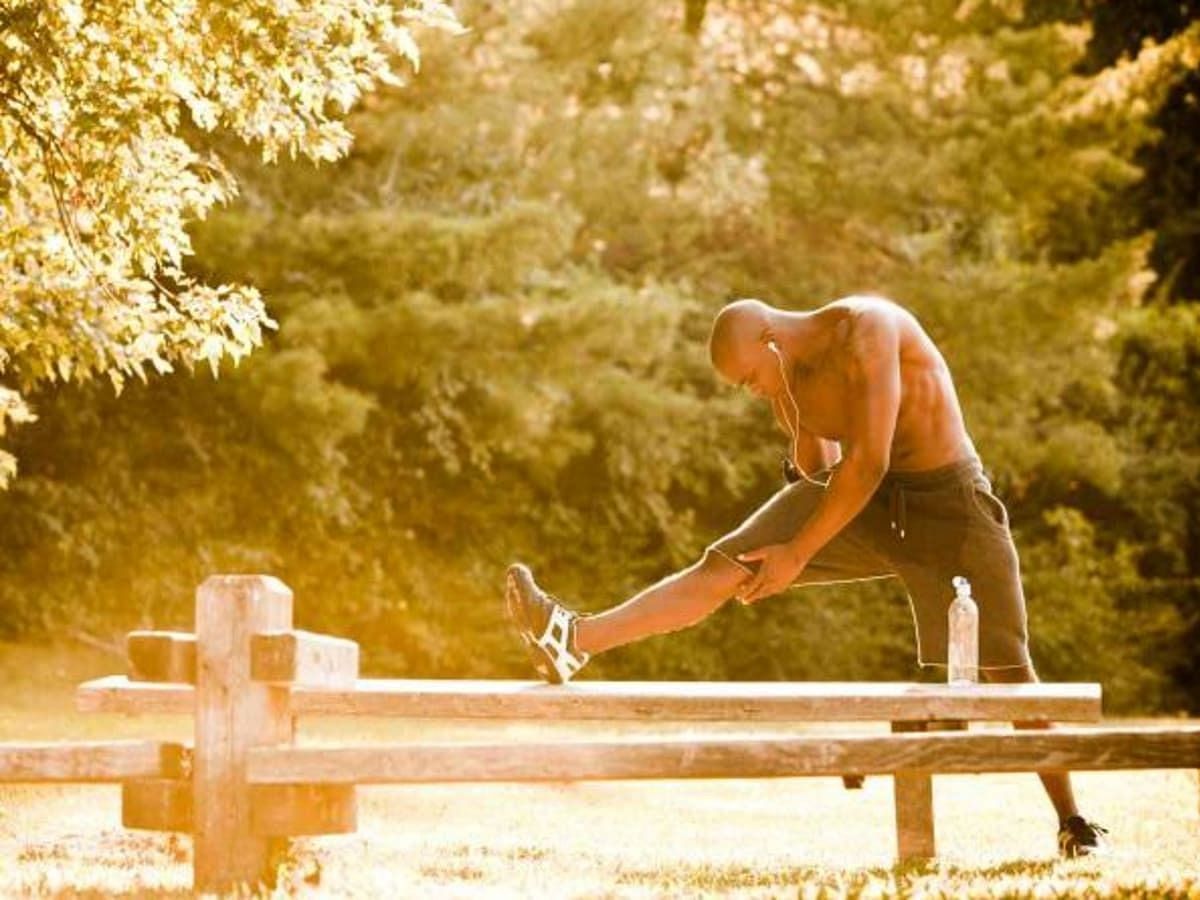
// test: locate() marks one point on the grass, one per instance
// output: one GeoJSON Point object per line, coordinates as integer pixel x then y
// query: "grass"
{"type": "Point", "coordinates": [755, 838]}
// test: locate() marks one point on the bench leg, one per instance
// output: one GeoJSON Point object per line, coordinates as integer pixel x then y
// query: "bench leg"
{"type": "Point", "coordinates": [914, 809]}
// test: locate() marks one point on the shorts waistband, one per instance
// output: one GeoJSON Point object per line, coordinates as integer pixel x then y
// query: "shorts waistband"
{"type": "Point", "coordinates": [948, 474]}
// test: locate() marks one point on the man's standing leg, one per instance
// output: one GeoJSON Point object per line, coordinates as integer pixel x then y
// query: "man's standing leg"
{"type": "Point", "coordinates": [963, 529]}
{"type": "Point", "coordinates": [1076, 835]}
{"type": "Point", "coordinates": [1057, 784]}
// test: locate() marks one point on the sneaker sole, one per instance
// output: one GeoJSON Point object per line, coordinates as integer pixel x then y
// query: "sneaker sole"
{"type": "Point", "coordinates": [514, 606]}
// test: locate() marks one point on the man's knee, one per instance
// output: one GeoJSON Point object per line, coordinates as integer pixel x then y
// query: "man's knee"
{"type": "Point", "coordinates": [722, 570]}
{"type": "Point", "coordinates": [1010, 675]}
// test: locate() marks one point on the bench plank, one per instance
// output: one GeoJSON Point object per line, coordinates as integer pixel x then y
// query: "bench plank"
{"type": "Point", "coordinates": [304, 658]}
{"type": "Point", "coordinates": [955, 752]}
{"type": "Point", "coordinates": [86, 761]}
{"type": "Point", "coordinates": [161, 656]}
{"type": "Point", "coordinates": [739, 701]}
{"type": "Point", "coordinates": [747, 701]}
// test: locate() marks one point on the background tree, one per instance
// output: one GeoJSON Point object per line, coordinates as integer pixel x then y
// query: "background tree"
{"type": "Point", "coordinates": [1160, 345]}
{"type": "Point", "coordinates": [101, 171]}
{"type": "Point", "coordinates": [1158, 509]}
{"type": "Point", "coordinates": [1166, 199]}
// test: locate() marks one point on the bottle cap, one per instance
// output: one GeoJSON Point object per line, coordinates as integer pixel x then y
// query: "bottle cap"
{"type": "Point", "coordinates": [962, 587]}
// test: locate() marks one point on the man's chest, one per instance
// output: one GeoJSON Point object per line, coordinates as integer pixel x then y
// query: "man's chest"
{"type": "Point", "coordinates": [823, 402]}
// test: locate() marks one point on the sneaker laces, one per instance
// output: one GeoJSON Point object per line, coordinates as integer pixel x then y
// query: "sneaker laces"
{"type": "Point", "coordinates": [558, 641]}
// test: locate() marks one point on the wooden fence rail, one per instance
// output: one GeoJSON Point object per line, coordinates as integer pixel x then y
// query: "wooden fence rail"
{"type": "Point", "coordinates": [771, 757]}
{"type": "Point", "coordinates": [86, 761]}
{"type": "Point", "coordinates": [243, 788]}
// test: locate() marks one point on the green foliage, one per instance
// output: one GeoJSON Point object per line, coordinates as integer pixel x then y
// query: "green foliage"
{"type": "Point", "coordinates": [102, 174]}
{"type": "Point", "coordinates": [1158, 374]}
{"type": "Point", "coordinates": [1075, 588]}
{"type": "Point", "coordinates": [492, 317]}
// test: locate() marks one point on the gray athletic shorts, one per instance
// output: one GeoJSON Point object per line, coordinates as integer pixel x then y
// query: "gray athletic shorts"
{"type": "Point", "coordinates": [925, 528]}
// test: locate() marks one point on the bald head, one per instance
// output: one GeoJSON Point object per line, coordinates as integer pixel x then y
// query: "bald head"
{"type": "Point", "coordinates": [737, 328]}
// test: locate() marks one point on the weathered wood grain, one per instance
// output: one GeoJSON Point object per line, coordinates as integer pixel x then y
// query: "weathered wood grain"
{"type": "Point", "coordinates": [913, 802]}
{"type": "Point", "coordinates": [233, 714]}
{"type": "Point", "coordinates": [117, 694]}
{"type": "Point", "coordinates": [757, 757]}
{"type": "Point", "coordinates": [157, 804]}
{"type": "Point", "coordinates": [295, 809]}
{"type": "Point", "coordinates": [304, 658]}
{"type": "Point", "coordinates": [772, 701]}
{"type": "Point", "coordinates": [161, 656]}
{"type": "Point", "coordinates": [645, 701]}
{"type": "Point", "coordinates": [85, 761]}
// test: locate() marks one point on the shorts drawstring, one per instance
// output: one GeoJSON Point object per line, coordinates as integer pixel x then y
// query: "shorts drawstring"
{"type": "Point", "coordinates": [897, 509]}
{"type": "Point", "coordinates": [898, 484]}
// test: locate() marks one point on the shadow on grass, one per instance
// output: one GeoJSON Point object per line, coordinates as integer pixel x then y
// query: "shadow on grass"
{"type": "Point", "coordinates": [108, 894]}
{"type": "Point", "coordinates": [473, 867]}
{"type": "Point", "coordinates": [901, 880]}
{"type": "Point", "coordinates": [104, 864]}
{"type": "Point", "coordinates": [926, 867]}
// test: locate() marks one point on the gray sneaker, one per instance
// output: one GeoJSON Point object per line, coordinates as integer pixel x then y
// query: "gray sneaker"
{"type": "Point", "coordinates": [546, 627]}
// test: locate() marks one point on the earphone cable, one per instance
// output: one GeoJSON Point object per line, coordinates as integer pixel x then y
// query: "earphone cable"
{"type": "Point", "coordinates": [794, 431]}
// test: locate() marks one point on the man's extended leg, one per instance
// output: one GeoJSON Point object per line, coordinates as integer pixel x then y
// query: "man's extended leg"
{"type": "Point", "coordinates": [676, 602]}
{"type": "Point", "coordinates": [561, 641]}
{"type": "Point", "coordinates": [687, 597]}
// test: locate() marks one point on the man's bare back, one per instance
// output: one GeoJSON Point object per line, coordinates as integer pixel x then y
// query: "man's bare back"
{"type": "Point", "coordinates": [929, 430]}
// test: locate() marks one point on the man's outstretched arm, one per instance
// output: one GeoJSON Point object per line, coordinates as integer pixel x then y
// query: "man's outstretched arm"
{"type": "Point", "coordinates": [873, 398]}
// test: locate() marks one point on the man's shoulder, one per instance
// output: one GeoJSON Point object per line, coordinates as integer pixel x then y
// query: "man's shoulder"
{"type": "Point", "coordinates": [869, 306]}
{"type": "Point", "coordinates": [867, 318]}
{"type": "Point", "coordinates": [873, 315]}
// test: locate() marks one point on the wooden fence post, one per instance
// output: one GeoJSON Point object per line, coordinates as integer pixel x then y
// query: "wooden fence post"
{"type": "Point", "coordinates": [234, 713]}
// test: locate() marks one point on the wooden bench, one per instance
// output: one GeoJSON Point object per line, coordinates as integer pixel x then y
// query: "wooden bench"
{"type": "Point", "coordinates": [245, 786]}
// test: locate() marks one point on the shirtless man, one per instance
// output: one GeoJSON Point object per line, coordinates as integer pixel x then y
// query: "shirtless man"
{"type": "Point", "coordinates": [884, 482]}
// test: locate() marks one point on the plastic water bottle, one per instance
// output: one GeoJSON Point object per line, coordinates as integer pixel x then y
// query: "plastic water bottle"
{"type": "Point", "coordinates": [964, 635]}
